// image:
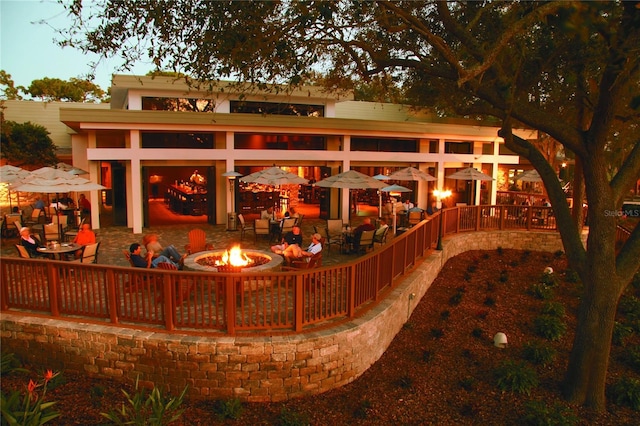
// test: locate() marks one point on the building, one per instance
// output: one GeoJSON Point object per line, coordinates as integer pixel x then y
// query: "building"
{"type": "Point", "coordinates": [159, 131]}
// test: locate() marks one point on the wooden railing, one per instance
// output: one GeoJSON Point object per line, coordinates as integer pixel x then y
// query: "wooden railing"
{"type": "Point", "coordinates": [236, 302]}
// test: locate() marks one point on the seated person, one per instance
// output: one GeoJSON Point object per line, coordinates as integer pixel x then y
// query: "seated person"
{"type": "Point", "coordinates": [267, 214]}
{"type": "Point", "coordinates": [148, 261]}
{"type": "Point", "coordinates": [85, 236]}
{"type": "Point", "coordinates": [357, 233]}
{"type": "Point", "coordinates": [39, 204]}
{"type": "Point", "coordinates": [28, 241]}
{"type": "Point", "coordinates": [432, 209]}
{"type": "Point", "coordinates": [294, 252]}
{"type": "Point", "coordinates": [383, 227]}
{"type": "Point", "coordinates": [292, 213]}
{"type": "Point", "coordinates": [151, 243]}
{"type": "Point", "coordinates": [293, 237]}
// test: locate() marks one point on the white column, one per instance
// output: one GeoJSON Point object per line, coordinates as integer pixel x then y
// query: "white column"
{"type": "Point", "coordinates": [134, 199]}
{"type": "Point", "coordinates": [346, 165]}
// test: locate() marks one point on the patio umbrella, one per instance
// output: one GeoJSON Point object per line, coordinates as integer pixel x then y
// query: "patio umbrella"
{"type": "Point", "coordinates": [411, 173]}
{"type": "Point", "coordinates": [71, 169]}
{"type": "Point", "coordinates": [351, 179]}
{"type": "Point", "coordinates": [51, 173]}
{"type": "Point", "coordinates": [274, 176]}
{"type": "Point", "coordinates": [470, 174]}
{"type": "Point", "coordinates": [529, 176]}
{"type": "Point", "coordinates": [12, 176]}
{"type": "Point", "coordinates": [395, 188]}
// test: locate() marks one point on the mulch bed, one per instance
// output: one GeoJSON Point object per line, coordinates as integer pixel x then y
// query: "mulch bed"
{"type": "Point", "coordinates": [440, 369]}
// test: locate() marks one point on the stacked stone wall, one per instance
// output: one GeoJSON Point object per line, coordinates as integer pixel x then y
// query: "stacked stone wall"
{"type": "Point", "coordinates": [260, 369]}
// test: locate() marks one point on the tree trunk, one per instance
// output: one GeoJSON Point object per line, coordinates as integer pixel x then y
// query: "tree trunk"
{"type": "Point", "coordinates": [584, 382]}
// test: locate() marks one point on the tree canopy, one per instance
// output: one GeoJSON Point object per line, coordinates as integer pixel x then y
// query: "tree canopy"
{"type": "Point", "coordinates": [53, 89]}
{"type": "Point", "coordinates": [565, 68]}
{"type": "Point", "coordinates": [27, 144]}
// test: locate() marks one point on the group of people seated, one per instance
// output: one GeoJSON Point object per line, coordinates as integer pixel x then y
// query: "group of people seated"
{"type": "Point", "coordinates": [155, 253]}
{"type": "Point", "coordinates": [290, 246]}
{"type": "Point", "coordinates": [29, 241]}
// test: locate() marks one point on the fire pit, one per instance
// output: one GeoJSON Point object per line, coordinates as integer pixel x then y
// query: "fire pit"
{"type": "Point", "coordinates": [234, 260]}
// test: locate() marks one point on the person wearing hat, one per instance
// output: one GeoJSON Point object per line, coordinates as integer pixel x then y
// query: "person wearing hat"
{"type": "Point", "coordinates": [28, 241]}
{"type": "Point", "coordinates": [294, 252]}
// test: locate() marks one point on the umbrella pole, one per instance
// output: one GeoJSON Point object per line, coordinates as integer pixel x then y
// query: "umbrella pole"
{"type": "Point", "coordinates": [380, 206]}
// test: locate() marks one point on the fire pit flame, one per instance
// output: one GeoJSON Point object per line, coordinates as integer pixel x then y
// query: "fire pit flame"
{"type": "Point", "coordinates": [234, 257]}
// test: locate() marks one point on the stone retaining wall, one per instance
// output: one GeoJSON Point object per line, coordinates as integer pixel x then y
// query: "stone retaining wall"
{"type": "Point", "coordinates": [252, 369]}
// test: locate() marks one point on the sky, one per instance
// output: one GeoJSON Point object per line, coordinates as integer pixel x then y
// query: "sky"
{"type": "Point", "coordinates": [28, 52]}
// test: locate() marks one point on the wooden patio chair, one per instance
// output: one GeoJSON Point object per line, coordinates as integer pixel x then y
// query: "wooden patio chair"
{"type": "Point", "coordinates": [244, 226]}
{"type": "Point", "coordinates": [197, 242]}
{"type": "Point", "coordinates": [314, 261]}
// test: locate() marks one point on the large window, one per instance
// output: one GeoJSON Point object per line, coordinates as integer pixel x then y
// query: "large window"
{"type": "Point", "coordinates": [384, 145]}
{"type": "Point", "coordinates": [178, 104]}
{"type": "Point", "coordinates": [177, 140]}
{"type": "Point", "coordinates": [284, 142]}
{"type": "Point", "coordinates": [272, 108]}
{"type": "Point", "coordinates": [458, 147]}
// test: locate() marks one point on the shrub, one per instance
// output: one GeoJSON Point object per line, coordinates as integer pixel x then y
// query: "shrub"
{"type": "Point", "coordinates": [500, 251]}
{"type": "Point", "coordinates": [485, 255]}
{"type": "Point", "coordinates": [549, 327]}
{"type": "Point", "coordinates": [408, 325]}
{"type": "Point", "coordinates": [228, 409]}
{"type": "Point", "coordinates": [538, 413]}
{"type": "Point", "coordinates": [549, 280]}
{"type": "Point", "coordinates": [467, 277]}
{"type": "Point", "coordinates": [541, 291]}
{"type": "Point", "coordinates": [437, 333]}
{"type": "Point", "coordinates": [555, 309]}
{"type": "Point", "coordinates": [489, 301]}
{"type": "Point", "coordinates": [631, 357]}
{"type": "Point", "coordinates": [292, 418]}
{"type": "Point", "coordinates": [491, 286]}
{"type": "Point", "coordinates": [445, 314]}
{"type": "Point", "coordinates": [9, 363]}
{"type": "Point", "coordinates": [456, 299]}
{"type": "Point", "coordinates": [621, 333]}
{"type": "Point", "coordinates": [482, 313]}
{"type": "Point", "coordinates": [626, 391]}
{"type": "Point", "coordinates": [558, 253]}
{"type": "Point", "coordinates": [504, 276]}
{"type": "Point", "coordinates": [538, 353]}
{"type": "Point", "coordinates": [404, 382]}
{"type": "Point", "coordinates": [629, 306]}
{"type": "Point", "coordinates": [516, 377]}
{"type": "Point", "coordinates": [477, 332]}
{"type": "Point", "coordinates": [472, 268]}
{"type": "Point", "coordinates": [427, 356]}
{"type": "Point", "coordinates": [154, 409]}
{"type": "Point", "coordinates": [361, 410]}
{"type": "Point", "coordinates": [467, 383]}
{"type": "Point", "coordinates": [572, 276]}
{"type": "Point", "coordinates": [30, 408]}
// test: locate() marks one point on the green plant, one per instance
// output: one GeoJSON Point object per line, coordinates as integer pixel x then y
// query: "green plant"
{"type": "Point", "coordinates": [152, 409]}
{"type": "Point", "coordinates": [629, 306]}
{"type": "Point", "coordinates": [491, 286]}
{"type": "Point", "coordinates": [228, 409]}
{"type": "Point", "coordinates": [621, 333]}
{"type": "Point", "coordinates": [538, 353]}
{"type": "Point", "coordinates": [500, 251]}
{"type": "Point", "coordinates": [445, 314]}
{"type": "Point", "coordinates": [404, 382]}
{"type": "Point", "coordinates": [437, 333]}
{"type": "Point", "coordinates": [631, 357]}
{"type": "Point", "coordinates": [30, 408]}
{"type": "Point", "coordinates": [477, 332]}
{"type": "Point", "coordinates": [516, 377]}
{"type": "Point", "coordinates": [558, 253]}
{"type": "Point", "coordinates": [455, 299]}
{"type": "Point", "coordinates": [408, 325]}
{"type": "Point", "coordinates": [467, 276]}
{"type": "Point", "coordinates": [555, 309]}
{"type": "Point", "coordinates": [291, 418]}
{"type": "Point", "coordinates": [549, 327]}
{"type": "Point", "coordinates": [572, 276]}
{"type": "Point", "coordinates": [504, 276]}
{"type": "Point", "coordinates": [467, 383]}
{"type": "Point", "coordinates": [427, 356]}
{"type": "Point", "coordinates": [362, 410]}
{"type": "Point", "coordinates": [485, 255]}
{"type": "Point", "coordinates": [550, 280]}
{"type": "Point", "coordinates": [472, 268]}
{"type": "Point", "coordinates": [626, 391]}
{"type": "Point", "coordinates": [489, 301]}
{"type": "Point", "coordinates": [538, 413]}
{"type": "Point", "coordinates": [541, 291]}
{"type": "Point", "coordinates": [9, 363]}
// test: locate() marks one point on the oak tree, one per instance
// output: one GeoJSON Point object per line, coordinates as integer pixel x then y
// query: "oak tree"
{"type": "Point", "coordinates": [567, 69]}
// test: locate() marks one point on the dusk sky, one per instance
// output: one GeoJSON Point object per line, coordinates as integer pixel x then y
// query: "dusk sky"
{"type": "Point", "coordinates": [28, 52]}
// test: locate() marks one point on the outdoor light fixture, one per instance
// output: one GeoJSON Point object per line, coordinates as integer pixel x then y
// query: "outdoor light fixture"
{"type": "Point", "coordinates": [232, 175]}
{"type": "Point", "coordinates": [440, 194]}
{"type": "Point", "coordinates": [500, 340]}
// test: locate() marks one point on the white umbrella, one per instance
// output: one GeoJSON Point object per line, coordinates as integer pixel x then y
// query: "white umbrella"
{"type": "Point", "coordinates": [351, 179]}
{"type": "Point", "coordinates": [411, 173]}
{"type": "Point", "coordinates": [12, 176]}
{"type": "Point", "coordinates": [395, 188]}
{"type": "Point", "coordinates": [71, 169]}
{"type": "Point", "coordinates": [470, 174]}
{"type": "Point", "coordinates": [381, 177]}
{"type": "Point", "coordinates": [58, 185]}
{"type": "Point", "coordinates": [51, 173]}
{"type": "Point", "coordinates": [274, 176]}
{"type": "Point", "coordinates": [529, 176]}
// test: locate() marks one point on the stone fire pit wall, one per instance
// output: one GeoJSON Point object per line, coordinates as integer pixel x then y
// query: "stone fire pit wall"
{"type": "Point", "coordinates": [251, 368]}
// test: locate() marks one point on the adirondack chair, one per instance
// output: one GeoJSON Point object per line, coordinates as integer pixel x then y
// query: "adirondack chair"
{"type": "Point", "coordinates": [197, 242]}
{"type": "Point", "coordinates": [186, 285]}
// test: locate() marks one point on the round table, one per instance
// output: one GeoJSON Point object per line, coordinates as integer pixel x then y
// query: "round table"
{"type": "Point", "coordinates": [59, 249]}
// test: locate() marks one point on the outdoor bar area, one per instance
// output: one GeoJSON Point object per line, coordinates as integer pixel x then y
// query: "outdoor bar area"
{"type": "Point", "coordinates": [188, 197]}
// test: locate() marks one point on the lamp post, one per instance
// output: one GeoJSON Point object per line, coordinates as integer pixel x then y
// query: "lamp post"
{"type": "Point", "coordinates": [231, 222]}
{"type": "Point", "coordinates": [440, 195]}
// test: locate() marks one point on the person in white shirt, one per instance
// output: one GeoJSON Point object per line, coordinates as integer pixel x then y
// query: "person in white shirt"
{"type": "Point", "coordinates": [294, 252]}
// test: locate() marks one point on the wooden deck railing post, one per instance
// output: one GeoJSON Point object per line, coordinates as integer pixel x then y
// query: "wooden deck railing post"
{"type": "Point", "coordinates": [230, 301]}
{"type": "Point", "coordinates": [168, 302]}
{"type": "Point", "coordinates": [54, 288]}
{"type": "Point", "coordinates": [478, 217]}
{"type": "Point", "coordinates": [298, 303]}
{"type": "Point", "coordinates": [351, 286]}
{"type": "Point", "coordinates": [111, 296]}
